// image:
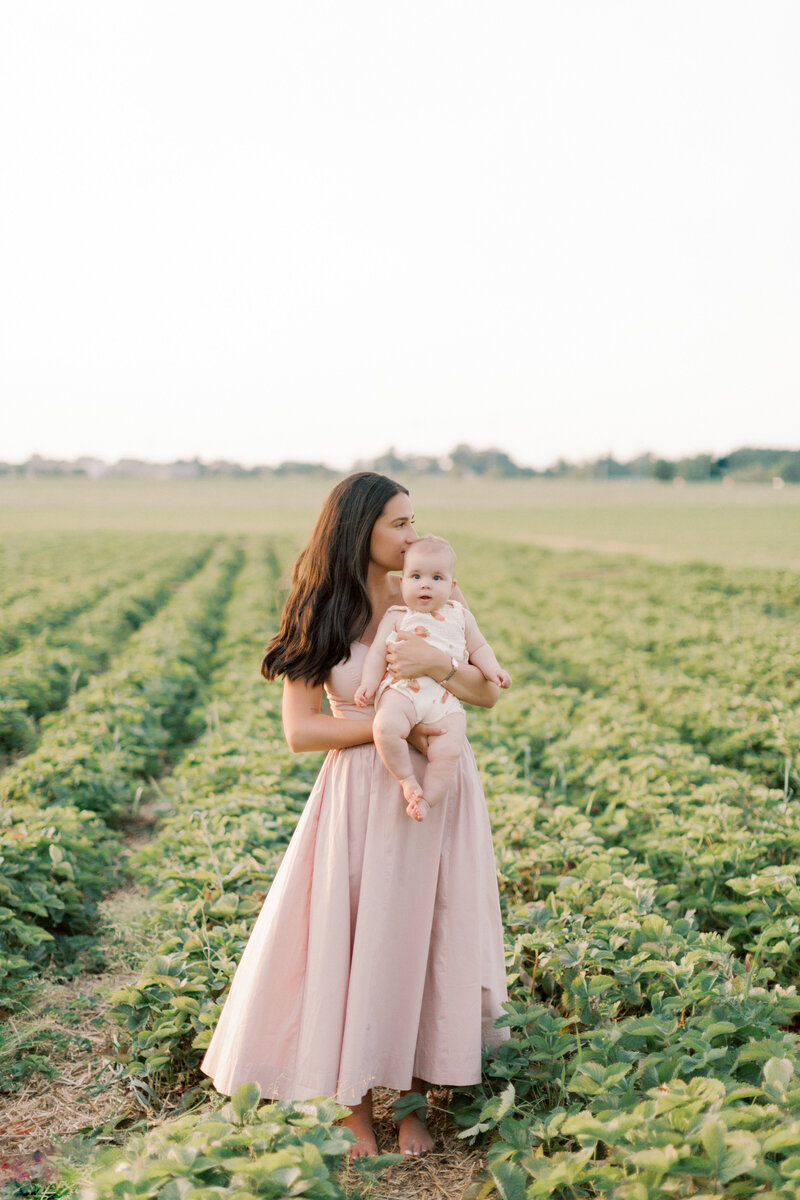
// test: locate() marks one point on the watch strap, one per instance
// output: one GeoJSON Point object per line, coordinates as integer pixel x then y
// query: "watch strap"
{"type": "Point", "coordinates": [452, 671]}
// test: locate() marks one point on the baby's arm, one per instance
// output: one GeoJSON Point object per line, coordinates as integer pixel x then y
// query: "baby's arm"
{"type": "Point", "coordinates": [374, 667]}
{"type": "Point", "coordinates": [482, 655]}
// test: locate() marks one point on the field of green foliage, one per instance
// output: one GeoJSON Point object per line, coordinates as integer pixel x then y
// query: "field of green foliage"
{"type": "Point", "coordinates": [643, 781]}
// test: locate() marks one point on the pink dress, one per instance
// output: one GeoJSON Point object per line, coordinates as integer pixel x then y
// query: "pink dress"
{"type": "Point", "coordinates": [378, 954]}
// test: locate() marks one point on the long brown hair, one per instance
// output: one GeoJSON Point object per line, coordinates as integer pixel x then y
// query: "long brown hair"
{"type": "Point", "coordinates": [328, 606]}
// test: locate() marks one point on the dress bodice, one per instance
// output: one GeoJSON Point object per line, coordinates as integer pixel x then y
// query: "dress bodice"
{"type": "Point", "coordinates": [341, 684]}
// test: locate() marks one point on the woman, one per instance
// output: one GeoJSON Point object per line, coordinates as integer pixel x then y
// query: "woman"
{"type": "Point", "coordinates": [377, 958]}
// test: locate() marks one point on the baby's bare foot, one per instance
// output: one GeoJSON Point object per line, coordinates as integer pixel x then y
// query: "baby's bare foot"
{"type": "Point", "coordinates": [413, 1136]}
{"type": "Point", "coordinates": [419, 809]}
{"type": "Point", "coordinates": [412, 794]}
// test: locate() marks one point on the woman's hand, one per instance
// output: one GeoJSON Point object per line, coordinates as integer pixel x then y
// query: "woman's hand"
{"type": "Point", "coordinates": [411, 656]}
{"type": "Point", "coordinates": [420, 737]}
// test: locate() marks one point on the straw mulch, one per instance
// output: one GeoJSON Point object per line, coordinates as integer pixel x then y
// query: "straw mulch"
{"type": "Point", "coordinates": [88, 1097]}
{"type": "Point", "coordinates": [86, 1093]}
{"type": "Point", "coordinates": [450, 1172]}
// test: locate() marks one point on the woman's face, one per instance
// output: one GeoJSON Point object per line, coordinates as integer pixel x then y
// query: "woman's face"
{"type": "Point", "coordinates": [392, 533]}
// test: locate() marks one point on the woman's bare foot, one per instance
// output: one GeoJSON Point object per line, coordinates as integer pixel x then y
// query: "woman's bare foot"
{"type": "Point", "coordinates": [360, 1123]}
{"type": "Point", "coordinates": [412, 794]}
{"type": "Point", "coordinates": [414, 1136]}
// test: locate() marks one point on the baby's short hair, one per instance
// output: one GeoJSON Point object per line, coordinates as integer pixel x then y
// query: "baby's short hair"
{"type": "Point", "coordinates": [431, 545]}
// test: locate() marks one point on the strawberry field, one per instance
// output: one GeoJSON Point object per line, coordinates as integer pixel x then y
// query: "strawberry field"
{"type": "Point", "coordinates": [642, 778]}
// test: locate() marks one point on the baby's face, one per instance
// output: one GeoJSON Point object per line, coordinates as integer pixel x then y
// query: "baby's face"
{"type": "Point", "coordinates": [427, 582]}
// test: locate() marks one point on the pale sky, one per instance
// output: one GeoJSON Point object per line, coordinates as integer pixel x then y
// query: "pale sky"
{"type": "Point", "coordinates": [265, 230]}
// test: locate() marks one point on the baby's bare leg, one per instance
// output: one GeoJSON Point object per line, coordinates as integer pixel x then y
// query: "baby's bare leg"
{"type": "Point", "coordinates": [443, 755]}
{"type": "Point", "coordinates": [394, 719]}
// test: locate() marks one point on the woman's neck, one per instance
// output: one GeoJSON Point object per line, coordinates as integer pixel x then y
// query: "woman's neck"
{"type": "Point", "coordinates": [382, 588]}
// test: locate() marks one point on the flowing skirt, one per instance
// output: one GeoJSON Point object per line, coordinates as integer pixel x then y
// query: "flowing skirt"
{"type": "Point", "coordinates": [378, 954]}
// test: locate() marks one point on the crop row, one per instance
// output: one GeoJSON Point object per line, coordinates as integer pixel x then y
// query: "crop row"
{"type": "Point", "coordinates": [738, 628]}
{"type": "Point", "coordinates": [31, 564]}
{"type": "Point", "coordinates": [651, 902]}
{"type": "Point", "coordinates": [718, 843]}
{"type": "Point", "coordinates": [234, 799]}
{"type": "Point", "coordinates": [733, 725]}
{"type": "Point", "coordinates": [41, 676]}
{"type": "Point", "coordinates": [580, 637]}
{"type": "Point", "coordinates": [240, 1152]}
{"type": "Point", "coordinates": [60, 806]}
{"type": "Point", "coordinates": [81, 572]}
{"type": "Point", "coordinates": [625, 1015]}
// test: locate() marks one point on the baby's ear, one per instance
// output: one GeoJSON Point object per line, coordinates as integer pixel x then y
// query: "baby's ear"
{"type": "Point", "coordinates": [454, 584]}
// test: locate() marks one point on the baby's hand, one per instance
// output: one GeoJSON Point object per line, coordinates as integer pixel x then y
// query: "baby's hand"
{"type": "Point", "coordinates": [501, 678]}
{"type": "Point", "coordinates": [364, 695]}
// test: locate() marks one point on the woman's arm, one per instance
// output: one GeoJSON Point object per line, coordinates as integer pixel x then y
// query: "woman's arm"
{"type": "Point", "coordinates": [412, 655]}
{"type": "Point", "coordinates": [306, 727]}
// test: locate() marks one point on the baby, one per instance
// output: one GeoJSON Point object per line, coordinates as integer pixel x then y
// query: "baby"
{"type": "Point", "coordinates": [400, 704]}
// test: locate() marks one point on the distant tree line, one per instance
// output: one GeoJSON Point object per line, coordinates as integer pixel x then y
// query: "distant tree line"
{"type": "Point", "coordinates": [748, 464]}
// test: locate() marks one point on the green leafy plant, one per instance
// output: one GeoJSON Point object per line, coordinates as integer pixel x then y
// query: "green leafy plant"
{"type": "Point", "coordinates": [241, 1152]}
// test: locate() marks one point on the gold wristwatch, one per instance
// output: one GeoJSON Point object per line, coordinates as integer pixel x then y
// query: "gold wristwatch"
{"type": "Point", "coordinates": [452, 671]}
